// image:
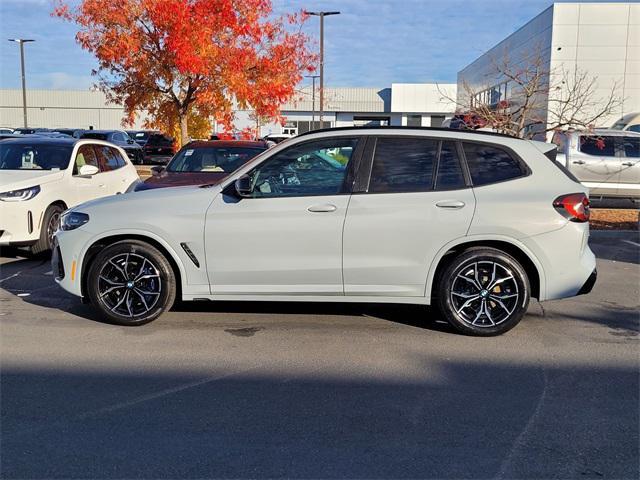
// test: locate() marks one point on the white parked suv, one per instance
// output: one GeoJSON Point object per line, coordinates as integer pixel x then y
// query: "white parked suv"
{"type": "Point", "coordinates": [476, 223]}
{"type": "Point", "coordinates": [40, 177]}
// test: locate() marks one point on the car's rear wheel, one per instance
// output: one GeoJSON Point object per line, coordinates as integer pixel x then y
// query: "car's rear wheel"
{"type": "Point", "coordinates": [50, 223]}
{"type": "Point", "coordinates": [484, 292]}
{"type": "Point", "coordinates": [131, 283]}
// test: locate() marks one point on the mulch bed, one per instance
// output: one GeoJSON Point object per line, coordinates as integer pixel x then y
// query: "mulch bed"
{"type": "Point", "coordinates": [614, 219]}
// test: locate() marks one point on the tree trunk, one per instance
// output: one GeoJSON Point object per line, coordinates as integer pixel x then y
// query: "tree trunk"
{"type": "Point", "coordinates": [184, 131]}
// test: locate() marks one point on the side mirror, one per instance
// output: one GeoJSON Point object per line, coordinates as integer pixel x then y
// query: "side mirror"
{"type": "Point", "coordinates": [88, 170]}
{"type": "Point", "coordinates": [156, 170]}
{"type": "Point", "coordinates": [244, 186]}
{"type": "Point", "coordinates": [130, 142]}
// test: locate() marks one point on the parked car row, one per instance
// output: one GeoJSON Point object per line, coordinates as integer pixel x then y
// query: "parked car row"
{"type": "Point", "coordinates": [142, 146]}
{"type": "Point", "coordinates": [475, 223]}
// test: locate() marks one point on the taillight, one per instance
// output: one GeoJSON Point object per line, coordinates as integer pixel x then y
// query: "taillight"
{"type": "Point", "coordinates": [574, 206]}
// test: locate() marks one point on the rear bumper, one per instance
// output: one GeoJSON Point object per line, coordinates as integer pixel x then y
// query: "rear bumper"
{"type": "Point", "coordinates": [588, 285]}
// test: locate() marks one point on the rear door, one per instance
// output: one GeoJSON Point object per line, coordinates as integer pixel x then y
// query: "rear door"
{"type": "Point", "coordinates": [595, 163]}
{"type": "Point", "coordinates": [112, 172]}
{"type": "Point", "coordinates": [410, 199]}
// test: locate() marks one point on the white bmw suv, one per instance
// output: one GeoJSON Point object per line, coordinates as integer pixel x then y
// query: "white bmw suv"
{"type": "Point", "coordinates": [476, 223]}
{"type": "Point", "coordinates": [40, 177]}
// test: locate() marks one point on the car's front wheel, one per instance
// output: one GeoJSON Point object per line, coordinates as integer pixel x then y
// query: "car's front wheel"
{"type": "Point", "coordinates": [483, 292]}
{"type": "Point", "coordinates": [131, 283]}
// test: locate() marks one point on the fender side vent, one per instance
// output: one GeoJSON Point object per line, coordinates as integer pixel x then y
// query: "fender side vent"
{"type": "Point", "coordinates": [190, 254]}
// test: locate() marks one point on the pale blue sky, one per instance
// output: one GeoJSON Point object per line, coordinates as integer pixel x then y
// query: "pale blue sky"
{"type": "Point", "coordinates": [372, 43]}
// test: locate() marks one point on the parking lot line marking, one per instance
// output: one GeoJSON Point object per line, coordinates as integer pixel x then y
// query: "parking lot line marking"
{"type": "Point", "coordinates": [632, 243]}
{"type": "Point", "coordinates": [10, 277]}
{"type": "Point", "coordinates": [50, 272]}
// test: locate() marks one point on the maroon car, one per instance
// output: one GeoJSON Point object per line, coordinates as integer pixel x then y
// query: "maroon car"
{"type": "Point", "coordinates": [199, 163]}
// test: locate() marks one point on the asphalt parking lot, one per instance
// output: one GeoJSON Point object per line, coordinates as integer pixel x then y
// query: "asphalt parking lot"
{"type": "Point", "coordinates": [342, 391]}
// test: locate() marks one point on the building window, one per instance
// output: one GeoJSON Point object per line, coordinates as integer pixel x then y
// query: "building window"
{"type": "Point", "coordinates": [414, 120]}
{"type": "Point", "coordinates": [436, 120]}
{"type": "Point", "coordinates": [372, 121]}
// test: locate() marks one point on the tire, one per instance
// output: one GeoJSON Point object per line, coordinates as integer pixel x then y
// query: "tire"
{"type": "Point", "coordinates": [50, 223]}
{"type": "Point", "coordinates": [471, 304]}
{"type": "Point", "coordinates": [123, 300]}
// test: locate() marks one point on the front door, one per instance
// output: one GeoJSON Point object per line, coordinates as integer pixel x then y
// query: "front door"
{"type": "Point", "coordinates": [285, 238]}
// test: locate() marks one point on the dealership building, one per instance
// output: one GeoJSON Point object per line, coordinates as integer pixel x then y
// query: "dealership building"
{"type": "Point", "coordinates": [422, 104]}
{"type": "Point", "coordinates": [600, 39]}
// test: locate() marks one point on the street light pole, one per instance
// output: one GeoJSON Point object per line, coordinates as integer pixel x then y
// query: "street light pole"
{"type": "Point", "coordinates": [322, 15]}
{"type": "Point", "coordinates": [21, 42]}
{"type": "Point", "coordinates": [313, 100]}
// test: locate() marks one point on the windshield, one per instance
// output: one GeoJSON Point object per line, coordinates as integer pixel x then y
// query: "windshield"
{"type": "Point", "coordinates": [34, 157]}
{"type": "Point", "coordinates": [212, 159]}
{"type": "Point", "coordinates": [97, 136]}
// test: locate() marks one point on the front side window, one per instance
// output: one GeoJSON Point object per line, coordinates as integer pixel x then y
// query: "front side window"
{"type": "Point", "coordinates": [634, 128]}
{"type": "Point", "coordinates": [488, 164]}
{"type": "Point", "coordinates": [403, 165]}
{"type": "Point", "coordinates": [34, 157]}
{"type": "Point", "coordinates": [212, 159]}
{"type": "Point", "coordinates": [598, 145]}
{"type": "Point", "coordinates": [85, 156]}
{"type": "Point", "coordinates": [312, 168]}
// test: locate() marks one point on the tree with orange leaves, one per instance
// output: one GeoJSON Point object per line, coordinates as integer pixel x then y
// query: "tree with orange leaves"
{"type": "Point", "coordinates": [170, 58]}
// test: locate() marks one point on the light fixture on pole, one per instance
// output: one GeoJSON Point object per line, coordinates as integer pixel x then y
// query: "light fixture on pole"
{"type": "Point", "coordinates": [313, 99]}
{"type": "Point", "coordinates": [322, 15]}
{"type": "Point", "coordinates": [21, 42]}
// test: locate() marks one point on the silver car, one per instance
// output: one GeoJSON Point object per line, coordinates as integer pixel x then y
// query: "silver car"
{"type": "Point", "coordinates": [606, 161]}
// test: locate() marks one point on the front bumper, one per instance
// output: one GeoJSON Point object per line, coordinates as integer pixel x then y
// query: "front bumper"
{"type": "Point", "coordinates": [20, 222]}
{"type": "Point", "coordinates": [66, 259]}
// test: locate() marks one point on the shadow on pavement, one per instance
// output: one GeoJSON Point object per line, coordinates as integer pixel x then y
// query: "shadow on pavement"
{"type": "Point", "coordinates": [469, 420]}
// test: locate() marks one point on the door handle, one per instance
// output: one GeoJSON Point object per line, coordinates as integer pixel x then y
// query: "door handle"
{"type": "Point", "coordinates": [628, 164]}
{"type": "Point", "coordinates": [579, 162]}
{"type": "Point", "coordinates": [327, 207]}
{"type": "Point", "coordinates": [450, 204]}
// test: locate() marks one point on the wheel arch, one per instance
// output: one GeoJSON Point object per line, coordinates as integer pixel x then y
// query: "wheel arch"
{"type": "Point", "coordinates": [100, 243]}
{"type": "Point", "coordinates": [529, 262]}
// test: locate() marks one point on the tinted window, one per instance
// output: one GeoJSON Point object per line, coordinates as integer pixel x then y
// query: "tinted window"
{"type": "Point", "coordinates": [634, 128]}
{"type": "Point", "coordinates": [212, 159]}
{"type": "Point", "coordinates": [96, 136]}
{"type": "Point", "coordinates": [108, 158]}
{"type": "Point", "coordinates": [33, 157]}
{"type": "Point", "coordinates": [85, 156]}
{"type": "Point", "coordinates": [631, 146]}
{"type": "Point", "coordinates": [313, 168]}
{"type": "Point", "coordinates": [598, 145]}
{"type": "Point", "coordinates": [488, 164]}
{"type": "Point", "coordinates": [403, 165]}
{"type": "Point", "coordinates": [450, 176]}
{"type": "Point", "coordinates": [115, 160]}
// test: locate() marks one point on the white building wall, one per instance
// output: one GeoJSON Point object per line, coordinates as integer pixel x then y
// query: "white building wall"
{"type": "Point", "coordinates": [61, 108]}
{"type": "Point", "coordinates": [602, 39]}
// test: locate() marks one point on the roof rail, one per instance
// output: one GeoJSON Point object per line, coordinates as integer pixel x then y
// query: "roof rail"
{"type": "Point", "coordinates": [390, 127]}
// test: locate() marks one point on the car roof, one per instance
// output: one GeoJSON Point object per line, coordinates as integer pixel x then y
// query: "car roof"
{"type": "Point", "coordinates": [225, 144]}
{"type": "Point", "coordinates": [31, 139]}
{"type": "Point", "coordinates": [407, 129]}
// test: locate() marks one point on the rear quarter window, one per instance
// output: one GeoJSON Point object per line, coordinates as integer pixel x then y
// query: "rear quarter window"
{"type": "Point", "coordinates": [631, 146]}
{"type": "Point", "coordinates": [491, 164]}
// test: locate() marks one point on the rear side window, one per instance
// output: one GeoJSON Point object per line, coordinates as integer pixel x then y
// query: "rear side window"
{"type": "Point", "coordinates": [631, 147]}
{"type": "Point", "coordinates": [108, 158]}
{"type": "Point", "coordinates": [450, 176]}
{"type": "Point", "coordinates": [489, 164]}
{"type": "Point", "coordinates": [403, 165]}
{"type": "Point", "coordinates": [598, 145]}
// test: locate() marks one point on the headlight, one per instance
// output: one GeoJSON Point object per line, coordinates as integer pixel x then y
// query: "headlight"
{"type": "Point", "coordinates": [20, 195]}
{"type": "Point", "coordinates": [73, 220]}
